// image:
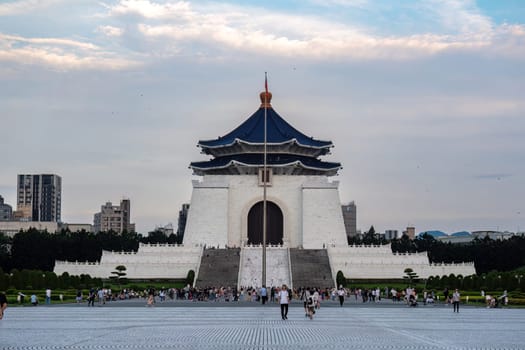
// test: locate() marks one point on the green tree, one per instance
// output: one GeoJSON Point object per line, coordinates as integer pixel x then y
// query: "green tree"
{"type": "Point", "coordinates": [64, 281]}
{"type": "Point", "coordinates": [155, 237]}
{"type": "Point", "coordinates": [190, 277]}
{"type": "Point", "coordinates": [34, 250]}
{"type": "Point", "coordinates": [5, 255]}
{"type": "Point", "coordinates": [4, 280]}
{"type": "Point", "coordinates": [340, 279]}
{"type": "Point", "coordinates": [119, 275]}
{"type": "Point", "coordinates": [410, 276]}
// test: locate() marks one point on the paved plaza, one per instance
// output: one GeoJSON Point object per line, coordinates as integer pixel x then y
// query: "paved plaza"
{"type": "Point", "coordinates": [206, 325]}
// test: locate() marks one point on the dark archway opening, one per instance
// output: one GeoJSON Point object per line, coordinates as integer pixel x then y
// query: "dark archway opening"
{"type": "Point", "coordinates": [274, 224]}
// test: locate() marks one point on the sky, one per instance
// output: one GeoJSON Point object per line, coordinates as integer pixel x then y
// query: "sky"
{"type": "Point", "coordinates": [423, 100]}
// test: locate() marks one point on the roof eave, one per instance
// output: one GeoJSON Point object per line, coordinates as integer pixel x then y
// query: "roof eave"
{"type": "Point", "coordinates": [294, 140]}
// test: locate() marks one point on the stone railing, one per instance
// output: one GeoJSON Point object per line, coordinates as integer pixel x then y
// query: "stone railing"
{"type": "Point", "coordinates": [470, 263]}
{"type": "Point", "coordinates": [268, 246]}
{"type": "Point", "coordinates": [77, 263]}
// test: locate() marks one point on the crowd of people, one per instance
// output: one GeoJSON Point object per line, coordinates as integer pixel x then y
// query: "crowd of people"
{"type": "Point", "coordinates": [312, 297]}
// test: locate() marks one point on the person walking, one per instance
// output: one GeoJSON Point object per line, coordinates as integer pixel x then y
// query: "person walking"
{"type": "Point", "coordinates": [455, 300]}
{"type": "Point", "coordinates": [341, 293]}
{"type": "Point", "coordinates": [310, 305]}
{"type": "Point", "coordinates": [284, 299]}
{"type": "Point", "coordinates": [3, 304]}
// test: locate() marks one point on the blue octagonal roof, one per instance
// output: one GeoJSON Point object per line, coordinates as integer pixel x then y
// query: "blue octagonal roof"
{"type": "Point", "coordinates": [278, 132]}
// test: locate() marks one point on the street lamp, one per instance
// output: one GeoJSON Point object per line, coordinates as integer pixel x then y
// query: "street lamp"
{"type": "Point", "coordinates": [519, 277]}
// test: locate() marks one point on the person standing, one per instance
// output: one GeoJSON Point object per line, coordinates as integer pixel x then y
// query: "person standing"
{"type": "Point", "coordinates": [48, 296]}
{"type": "Point", "coordinates": [455, 300]}
{"type": "Point", "coordinates": [284, 299]}
{"type": "Point", "coordinates": [341, 293]}
{"type": "Point", "coordinates": [3, 304]}
{"type": "Point", "coordinates": [445, 295]}
{"type": "Point", "coordinates": [264, 294]}
{"type": "Point", "coordinates": [91, 297]}
{"type": "Point", "coordinates": [100, 296]}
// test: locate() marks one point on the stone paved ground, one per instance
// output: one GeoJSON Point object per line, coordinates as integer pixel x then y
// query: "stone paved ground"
{"type": "Point", "coordinates": [185, 326]}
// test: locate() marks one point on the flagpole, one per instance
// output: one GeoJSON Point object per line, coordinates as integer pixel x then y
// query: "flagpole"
{"type": "Point", "coordinates": [265, 179]}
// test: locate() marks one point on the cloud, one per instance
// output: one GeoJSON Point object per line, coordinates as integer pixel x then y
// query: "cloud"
{"type": "Point", "coordinates": [462, 16]}
{"type": "Point", "coordinates": [110, 31]}
{"type": "Point", "coordinates": [59, 53]}
{"type": "Point", "coordinates": [148, 9]}
{"type": "Point", "coordinates": [258, 31]}
{"type": "Point", "coordinates": [24, 6]}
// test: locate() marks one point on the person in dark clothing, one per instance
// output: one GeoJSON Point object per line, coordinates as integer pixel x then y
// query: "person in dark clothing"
{"type": "Point", "coordinates": [341, 293]}
{"type": "Point", "coordinates": [3, 304]}
{"type": "Point", "coordinates": [91, 297]}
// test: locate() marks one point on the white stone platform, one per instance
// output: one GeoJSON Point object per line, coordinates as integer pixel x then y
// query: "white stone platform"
{"type": "Point", "coordinates": [260, 327]}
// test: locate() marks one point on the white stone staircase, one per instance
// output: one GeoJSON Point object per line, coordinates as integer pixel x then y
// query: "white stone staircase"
{"type": "Point", "coordinates": [277, 266]}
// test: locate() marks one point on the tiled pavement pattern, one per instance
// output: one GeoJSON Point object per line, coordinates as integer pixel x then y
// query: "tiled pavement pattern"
{"type": "Point", "coordinates": [257, 327]}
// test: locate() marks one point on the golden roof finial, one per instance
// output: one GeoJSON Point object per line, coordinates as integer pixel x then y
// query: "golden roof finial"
{"type": "Point", "coordinates": [266, 99]}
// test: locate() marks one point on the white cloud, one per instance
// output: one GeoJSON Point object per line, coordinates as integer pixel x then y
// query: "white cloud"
{"type": "Point", "coordinates": [462, 16]}
{"type": "Point", "coordinates": [259, 31]}
{"type": "Point", "coordinates": [24, 6]}
{"type": "Point", "coordinates": [58, 53]}
{"type": "Point", "coordinates": [148, 9]}
{"type": "Point", "coordinates": [48, 41]}
{"type": "Point", "coordinates": [110, 31]}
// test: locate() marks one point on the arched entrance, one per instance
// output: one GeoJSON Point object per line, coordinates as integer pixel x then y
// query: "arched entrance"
{"type": "Point", "coordinates": [274, 224]}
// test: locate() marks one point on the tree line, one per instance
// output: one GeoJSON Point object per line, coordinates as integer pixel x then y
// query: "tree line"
{"type": "Point", "coordinates": [38, 280]}
{"type": "Point", "coordinates": [487, 254]}
{"type": "Point", "coordinates": [37, 250]}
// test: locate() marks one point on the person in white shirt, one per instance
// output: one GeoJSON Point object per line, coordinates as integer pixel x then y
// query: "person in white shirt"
{"type": "Point", "coordinates": [455, 300]}
{"type": "Point", "coordinates": [341, 293]}
{"type": "Point", "coordinates": [284, 299]}
{"type": "Point", "coordinates": [48, 296]}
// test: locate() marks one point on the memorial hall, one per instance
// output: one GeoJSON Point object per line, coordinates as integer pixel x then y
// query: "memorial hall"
{"type": "Point", "coordinates": [264, 168]}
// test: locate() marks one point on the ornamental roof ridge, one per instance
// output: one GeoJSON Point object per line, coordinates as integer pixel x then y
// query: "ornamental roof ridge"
{"type": "Point", "coordinates": [278, 131]}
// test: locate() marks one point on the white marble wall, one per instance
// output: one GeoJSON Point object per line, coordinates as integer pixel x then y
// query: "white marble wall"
{"type": "Point", "coordinates": [323, 223]}
{"type": "Point", "coordinates": [369, 262]}
{"type": "Point", "coordinates": [220, 204]}
{"type": "Point", "coordinates": [155, 261]}
{"type": "Point", "coordinates": [207, 222]}
{"type": "Point", "coordinates": [277, 266]}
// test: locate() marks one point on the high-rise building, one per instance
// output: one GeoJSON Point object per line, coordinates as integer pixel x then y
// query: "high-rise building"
{"type": "Point", "coordinates": [410, 232]}
{"type": "Point", "coordinates": [114, 218]}
{"type": "Point", "coordinates": [350, 219]}
{"type": "Point", "coordinates": [39, 197]}
{"type": "Point", "coordinates": [391, 234]}
{"type": "Point", "coordinates": [6, 211]}
{"type": "Point", "coordinates": [183, 216]}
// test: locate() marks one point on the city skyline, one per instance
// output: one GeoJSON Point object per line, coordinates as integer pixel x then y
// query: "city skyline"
{"type": "Point", "coordinates": [422, 100]}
